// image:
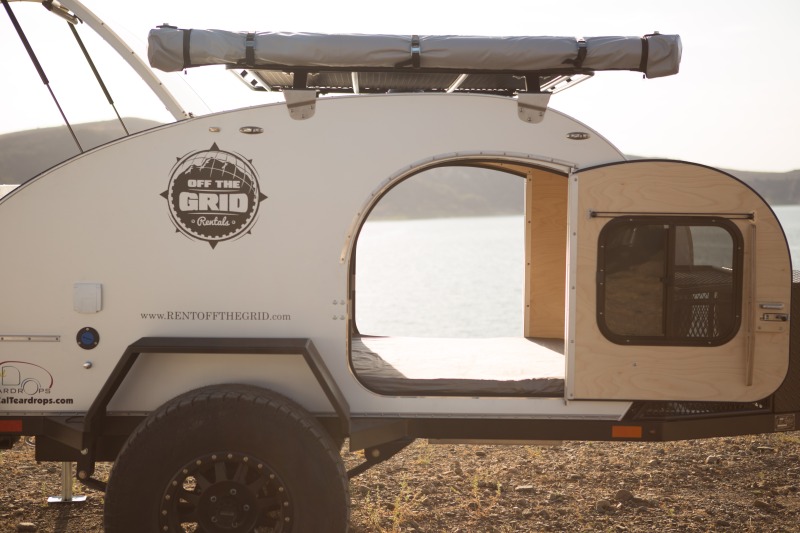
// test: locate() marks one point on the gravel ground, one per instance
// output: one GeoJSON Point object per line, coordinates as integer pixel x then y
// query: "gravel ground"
{"type": "Point", "coordinates": [726, 484]}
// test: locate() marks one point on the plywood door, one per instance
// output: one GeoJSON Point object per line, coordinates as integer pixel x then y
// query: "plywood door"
{"type": "Point", "coordinates": [748, 367]}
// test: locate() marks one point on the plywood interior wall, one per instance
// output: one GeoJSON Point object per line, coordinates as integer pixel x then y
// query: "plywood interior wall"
{"type": "Point", "coordinates": [545, 253]}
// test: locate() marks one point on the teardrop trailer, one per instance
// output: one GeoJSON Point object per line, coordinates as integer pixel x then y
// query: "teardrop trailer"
{"type": "Point", "coordinates": [199, 287]}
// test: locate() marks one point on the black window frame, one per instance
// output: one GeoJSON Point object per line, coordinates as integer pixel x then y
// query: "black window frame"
{"type": "Point", "coordinates": [668, 301]}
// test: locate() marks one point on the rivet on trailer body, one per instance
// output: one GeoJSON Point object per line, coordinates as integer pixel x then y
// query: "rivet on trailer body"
{"type": "Point", "coordinates": [214, 129]}
{"type": "Point", "coordinates": [251, 130]}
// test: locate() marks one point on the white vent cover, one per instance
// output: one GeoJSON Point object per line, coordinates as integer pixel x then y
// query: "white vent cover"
{"type": "Point", "coordinates": [87, 297]}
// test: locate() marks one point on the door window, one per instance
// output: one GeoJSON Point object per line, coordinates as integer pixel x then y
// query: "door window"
{"type": "Point", "coordinates": [669, 280]}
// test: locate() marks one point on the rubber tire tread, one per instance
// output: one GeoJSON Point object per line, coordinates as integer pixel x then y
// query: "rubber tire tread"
{"type": "Point", "coordinates": [124, 496]}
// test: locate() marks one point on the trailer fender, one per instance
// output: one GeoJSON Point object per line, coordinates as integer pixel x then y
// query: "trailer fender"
{"type": "Point", "coordinates": [96, 415]}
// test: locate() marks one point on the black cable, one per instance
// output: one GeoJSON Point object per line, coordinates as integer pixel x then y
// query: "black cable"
{"type": "Point", "coordinates": [97, 75]}
{"type": "Point", "coordinates": [39, 68]}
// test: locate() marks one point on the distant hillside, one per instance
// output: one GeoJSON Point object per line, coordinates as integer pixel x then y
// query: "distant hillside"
{"type": "Point", "coordinates": [776, 188]}
{"type": "Point", "coordinates": [25, 154]}
{"type": "Point", "coordinates": [451, 192]}
{"type": "Point", "coordinates": [443, 192]}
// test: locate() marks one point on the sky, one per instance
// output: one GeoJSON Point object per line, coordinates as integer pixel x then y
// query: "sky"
{"type": "Point", "coordinates": [733, 105]}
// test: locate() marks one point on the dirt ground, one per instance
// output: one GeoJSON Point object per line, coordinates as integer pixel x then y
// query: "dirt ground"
{"type": "Point", "coordinates": [729, 484]}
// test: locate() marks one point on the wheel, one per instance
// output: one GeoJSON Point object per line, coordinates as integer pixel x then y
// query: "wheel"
{"type": "Point", "coordinates": [232, 459]}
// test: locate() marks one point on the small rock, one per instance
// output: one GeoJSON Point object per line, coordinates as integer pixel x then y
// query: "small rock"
{"type": "Point", "coordinates": [654, 462]}
{"type": "Point", "coordinates": [26, 526]}
{"type": "Point", "coordinates": [525, 488]}
{"type": "Point", "coordinates": [765, 449]}
{"type": "Point", "coordinates": [761, 504]}
{"type": "Point", "coordinates": [623, 495]}
{"type": "Point", "coordinates": [527, 513]}
{"type": "Point", "coordinates": [602, 506]}
{"type": "Point", "coordinates": [713, 460]}
{"type": "Point", "coordinates": [480, 453]}
{"type": "Point", "coordinates": [722, 523]}
{"type": "Point", "coordinates": [574, 477]}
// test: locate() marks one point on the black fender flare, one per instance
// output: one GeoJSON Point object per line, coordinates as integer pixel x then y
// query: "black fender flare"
{"type": "Point", "coordinates": [95, 416]}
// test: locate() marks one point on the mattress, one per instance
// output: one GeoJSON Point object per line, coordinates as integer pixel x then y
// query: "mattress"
{"type": "Point", "coordinates": [507, 366]}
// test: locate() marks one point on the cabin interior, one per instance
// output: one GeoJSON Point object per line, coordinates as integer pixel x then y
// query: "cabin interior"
{"type": "Point", "coordinates": [528, 359]}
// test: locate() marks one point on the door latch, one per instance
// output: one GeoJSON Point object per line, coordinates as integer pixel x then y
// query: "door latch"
{"type": "Point", "coordinates": [775, 317]}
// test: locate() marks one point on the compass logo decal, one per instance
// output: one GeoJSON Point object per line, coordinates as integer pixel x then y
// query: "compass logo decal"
{"type": "Point", "coordinates": [213, 195]}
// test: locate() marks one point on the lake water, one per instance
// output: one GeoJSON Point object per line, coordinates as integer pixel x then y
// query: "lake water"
{"type": "Point", "coordinates": [457, 277]}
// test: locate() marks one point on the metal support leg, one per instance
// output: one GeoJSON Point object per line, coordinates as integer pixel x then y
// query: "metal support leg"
{"type": "Point", "coordinates": [66, 487]}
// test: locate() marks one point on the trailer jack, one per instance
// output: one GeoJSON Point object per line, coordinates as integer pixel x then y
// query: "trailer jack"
{"type": "Point", "coordinates": [377, 454]}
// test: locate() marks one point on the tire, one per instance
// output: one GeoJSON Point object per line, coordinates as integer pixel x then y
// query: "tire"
{"type": "Point", "coordinates": [232, 459]}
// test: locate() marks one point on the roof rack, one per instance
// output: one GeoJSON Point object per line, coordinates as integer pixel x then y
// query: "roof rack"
{"type": "Point", "coordinates": [376, 81]}
{"type": "Point", "coordinates": [361, 63]}
{"type": "Point", "coordinates": [303, 65]}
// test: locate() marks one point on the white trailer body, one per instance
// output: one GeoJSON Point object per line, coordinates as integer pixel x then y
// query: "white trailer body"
{"type": "Point", "coordinates": [291, 263]}
{"type": "Point", "coordinates": [282, 277]}
{"type": "Point", "coordinates": [204, 271]}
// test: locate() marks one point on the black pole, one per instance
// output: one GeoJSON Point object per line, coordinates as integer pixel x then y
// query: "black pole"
{"type": "Point", "coordinates": [39, 68]}
{"type": "Point", "coordinates": [96, 74]}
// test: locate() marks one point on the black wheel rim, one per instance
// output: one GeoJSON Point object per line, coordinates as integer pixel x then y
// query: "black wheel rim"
{"type": "Point", "coordinates": [226, 493]}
